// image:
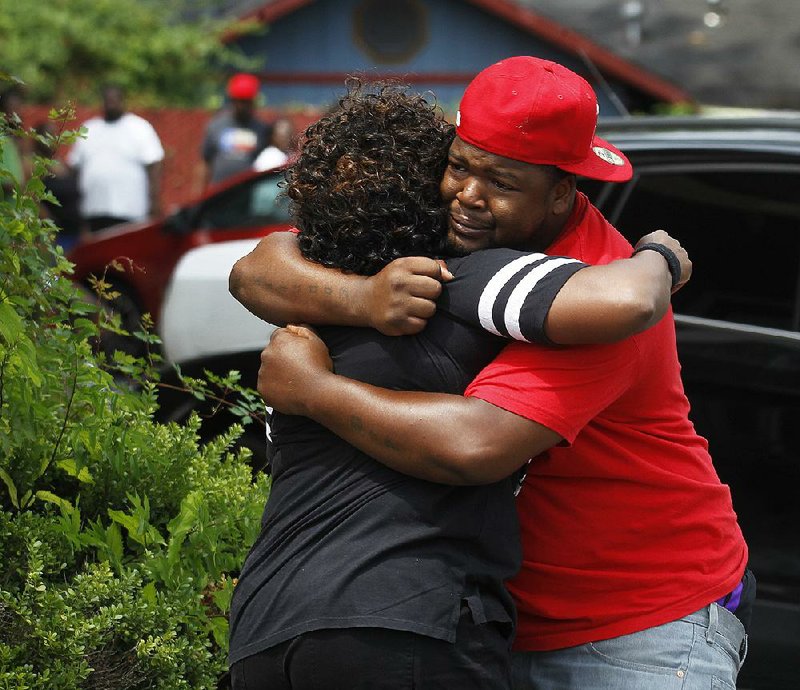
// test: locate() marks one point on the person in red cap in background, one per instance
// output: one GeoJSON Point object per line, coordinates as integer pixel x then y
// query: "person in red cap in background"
{"type": "Point", "coordinates": [634, 569]}
{"type": "Point", "coordinates": [235, 136]}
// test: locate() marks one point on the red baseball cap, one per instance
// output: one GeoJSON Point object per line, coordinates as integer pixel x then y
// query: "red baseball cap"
{"type": "Point", "coordinates": [537, 111]}
{"type": "Point", "coordinates": [243, 87]}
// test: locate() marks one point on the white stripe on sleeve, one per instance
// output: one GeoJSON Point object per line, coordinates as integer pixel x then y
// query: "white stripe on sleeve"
{"type": "Point", "coordinates": [496, 283]}
{"type": "Point", "coordinates": [525, 286]}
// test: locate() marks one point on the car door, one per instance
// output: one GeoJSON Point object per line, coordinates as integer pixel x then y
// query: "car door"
{"type": "Point", "coordinates": [249, 209]}
{"type": "Point", "coordinates": [737, 324]}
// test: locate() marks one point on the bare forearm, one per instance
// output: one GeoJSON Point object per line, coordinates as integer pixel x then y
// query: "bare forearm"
{"type": "Point", "coordinates": [438, 437]}
{"type": "Point", "coordinates": [603, 304]}
{"type": "Point", "coordinates": [279, 285]}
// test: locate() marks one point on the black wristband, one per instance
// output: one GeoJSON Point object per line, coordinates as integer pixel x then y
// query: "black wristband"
{"type": "Point", "coordinates": [673, 263]}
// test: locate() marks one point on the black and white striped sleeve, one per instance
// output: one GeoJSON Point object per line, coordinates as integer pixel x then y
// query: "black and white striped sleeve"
{"type": "Point", "coordinates": [507, 292]}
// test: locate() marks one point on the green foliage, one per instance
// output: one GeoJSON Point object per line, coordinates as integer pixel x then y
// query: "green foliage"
{"type": "Point", "coordinates": [64, 49]}
{"type": "Point", "coordinates": [120, 537]}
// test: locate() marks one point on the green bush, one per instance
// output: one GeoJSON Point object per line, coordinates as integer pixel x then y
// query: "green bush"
{"type": "Point", "coordinates": [120, 537]}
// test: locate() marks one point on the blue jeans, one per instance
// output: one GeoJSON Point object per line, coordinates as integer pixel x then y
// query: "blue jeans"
{"type": "Point", "coordinates": [703, 651]}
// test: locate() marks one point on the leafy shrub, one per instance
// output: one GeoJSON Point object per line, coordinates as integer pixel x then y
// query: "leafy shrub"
{"type": "Point", "coordinates": [161, 52]}
{"type": "Point", "coordinates": [120, 537]}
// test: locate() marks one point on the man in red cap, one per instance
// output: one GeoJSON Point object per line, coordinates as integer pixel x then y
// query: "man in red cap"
{"type": "Point", "coordinates": [634, 566]}
{"type": "Point", "coordinates": [235, 136]}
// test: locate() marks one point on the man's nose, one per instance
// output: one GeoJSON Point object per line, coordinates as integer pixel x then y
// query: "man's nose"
{"type": "Point", "coordinates": [471, 193]}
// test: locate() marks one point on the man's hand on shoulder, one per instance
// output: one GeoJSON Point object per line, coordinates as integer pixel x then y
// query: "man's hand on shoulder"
{"type": "Point", "coordinates": [402, 296]}
{"type": "Point", "coordinates": [276, 283]}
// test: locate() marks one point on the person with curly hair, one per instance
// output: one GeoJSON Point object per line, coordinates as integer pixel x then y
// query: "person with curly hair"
{"type": "Point", "coordinates": [366, 188]}
{"type": "Point", "coordinates": [364, 577]}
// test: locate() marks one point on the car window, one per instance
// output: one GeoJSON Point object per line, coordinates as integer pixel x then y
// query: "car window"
{"type": "Point", "coordinates": [250, 204]}
{"type": "Point", "coordinates": [742, 231]}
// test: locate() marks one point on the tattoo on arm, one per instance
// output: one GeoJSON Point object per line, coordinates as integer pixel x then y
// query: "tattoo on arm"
{"type": "Point", "coordinates": [297, 289]}
{"type": "Point", "coordinates": [358, 426]}
{"type": "Point", "coordinates": [390, 444]}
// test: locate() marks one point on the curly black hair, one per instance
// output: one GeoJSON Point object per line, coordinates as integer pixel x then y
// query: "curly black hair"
{"type": "Point", "coordinates": [365, 188]}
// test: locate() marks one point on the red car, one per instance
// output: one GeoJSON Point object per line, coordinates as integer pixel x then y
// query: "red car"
{"type": "Point", "coordinates": [243, 207]}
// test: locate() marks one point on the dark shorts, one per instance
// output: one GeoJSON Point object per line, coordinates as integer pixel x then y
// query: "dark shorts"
{"type": "Point", "coordinates": [377, 659]}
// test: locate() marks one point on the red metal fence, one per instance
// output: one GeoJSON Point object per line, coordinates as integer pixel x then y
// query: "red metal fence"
{"type": "Point", "coordinates": [181, 132]}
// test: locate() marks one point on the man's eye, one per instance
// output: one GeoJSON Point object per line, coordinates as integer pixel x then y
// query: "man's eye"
{"type": "Point", "coordinates": [455, 166]}
{"type": "Point", "coordinates": [502, 185]}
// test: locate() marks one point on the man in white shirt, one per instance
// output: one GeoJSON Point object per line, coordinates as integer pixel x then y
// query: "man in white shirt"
{"type": "Point", "coordinates": [119, 165]}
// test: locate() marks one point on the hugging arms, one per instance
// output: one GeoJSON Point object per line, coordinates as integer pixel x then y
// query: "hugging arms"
{"type": "Point", "coordinates": [438, 437]}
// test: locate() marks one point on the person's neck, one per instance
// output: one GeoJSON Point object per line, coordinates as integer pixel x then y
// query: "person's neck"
{"type": "Point", "coordinates": [572, 220]}
{"type": "Point", "coordinates": [551, 235]}
{"type": "Point", "coordinates": [241, 118]}
{"type": "Point", "coordinates": [553, 231]}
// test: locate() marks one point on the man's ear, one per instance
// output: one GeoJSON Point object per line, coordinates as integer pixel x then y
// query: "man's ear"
{"type": "Point", "coordinates": [564, 195]}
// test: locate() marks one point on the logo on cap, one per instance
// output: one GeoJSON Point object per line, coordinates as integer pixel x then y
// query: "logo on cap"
{"type": "Point", "coordinates": [608, 156]}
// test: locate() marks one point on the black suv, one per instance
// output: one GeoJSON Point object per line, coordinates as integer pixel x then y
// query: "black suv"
{"type": "Point", "coordinates": [729, 189]}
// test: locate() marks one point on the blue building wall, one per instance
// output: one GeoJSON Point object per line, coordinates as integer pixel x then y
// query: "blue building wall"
{"type": "Point", "coordinates": [461, 39]}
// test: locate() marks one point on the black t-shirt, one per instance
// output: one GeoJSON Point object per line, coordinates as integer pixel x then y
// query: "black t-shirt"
{"type": "Point", "coordinates": [348, 542]}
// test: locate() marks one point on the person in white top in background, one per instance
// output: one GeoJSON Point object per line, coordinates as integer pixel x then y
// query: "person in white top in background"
{"type": "Point", "coordinates": [283, 146]}
{"type": "Point", "coordinates": [119, 165]}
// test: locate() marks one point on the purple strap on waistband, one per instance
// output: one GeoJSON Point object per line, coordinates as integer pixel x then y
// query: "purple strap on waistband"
{"type": "Point", "coordinates": [731, 601]}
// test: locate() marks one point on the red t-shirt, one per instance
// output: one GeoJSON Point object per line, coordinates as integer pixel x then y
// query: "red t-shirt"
{"type": "Point", "coordinates": [626, 525]}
